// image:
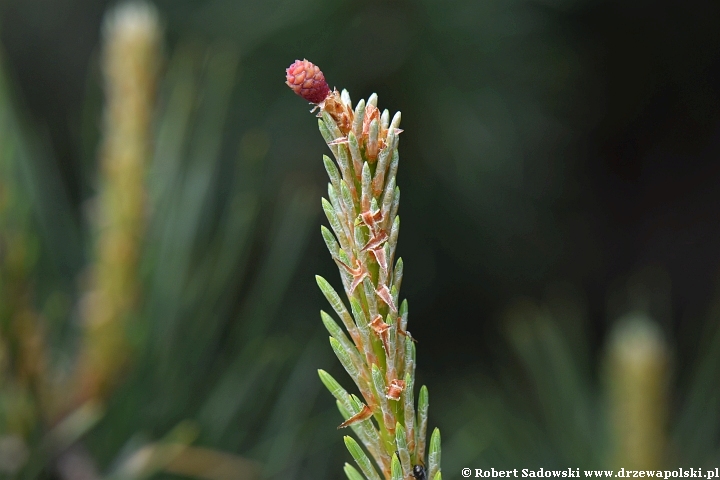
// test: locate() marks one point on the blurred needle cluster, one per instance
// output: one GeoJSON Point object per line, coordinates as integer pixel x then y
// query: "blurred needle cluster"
{"type": "Point", "coordinates": [128, 337]}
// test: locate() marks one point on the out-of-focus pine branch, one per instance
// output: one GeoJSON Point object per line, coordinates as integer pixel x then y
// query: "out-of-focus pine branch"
{"type": "Point", "coordinates": [177, 232]}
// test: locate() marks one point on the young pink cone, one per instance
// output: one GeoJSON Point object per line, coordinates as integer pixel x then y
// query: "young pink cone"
{"type": "Point", "coordinates": [307, 81]}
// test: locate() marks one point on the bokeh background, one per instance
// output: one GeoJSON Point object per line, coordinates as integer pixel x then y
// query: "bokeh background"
{"type": "Point", "coordinates": [559, 213]}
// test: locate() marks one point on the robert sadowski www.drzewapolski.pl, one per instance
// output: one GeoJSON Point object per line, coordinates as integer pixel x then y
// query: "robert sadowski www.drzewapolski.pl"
{"type": "Point", "coordinates": [576, 473]}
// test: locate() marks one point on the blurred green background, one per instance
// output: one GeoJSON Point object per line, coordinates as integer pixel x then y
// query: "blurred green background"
{"type": "Point", "coordinates": [559, 174]}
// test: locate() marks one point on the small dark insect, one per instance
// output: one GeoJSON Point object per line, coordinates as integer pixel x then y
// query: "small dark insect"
{"type": "Point", "coordinates": [419, 472]}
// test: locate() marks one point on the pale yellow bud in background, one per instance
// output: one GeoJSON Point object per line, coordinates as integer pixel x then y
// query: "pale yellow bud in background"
{"type": "Point", "coordinates": [131, 55]}
{"type": "Point", "coordinates": [637, 378]}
